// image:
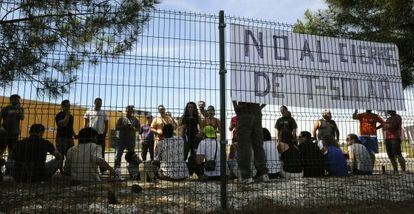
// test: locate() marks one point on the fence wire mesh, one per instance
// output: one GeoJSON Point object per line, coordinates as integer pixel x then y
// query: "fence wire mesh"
{"type": "Point", "coordinates": [175, 61]}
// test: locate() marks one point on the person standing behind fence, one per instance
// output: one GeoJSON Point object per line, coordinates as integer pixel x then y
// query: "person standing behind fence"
{"type": "Point", "coordinates": [250, 136]}
{"type": "Point", "coordinates": [368, 130]}
{"type": "Point", "coordinates": [202, 112]}
{"type": "Point", "coordinates": [11, 117]}
{"type": "Point", "coordinates": [147, 139]}
{"type": "Point", "coordinates": [210, 120]}
{"type": "Point", "coordinates": [393, 129]}
{"type": "Point", "coordinates": [127, 126]}
{"type": "Point", "coordinates": [325, 126]}
{"type": "Point", "coordinates": [98, 119]}
{"type": "Point", "coordinates": [65, 133]}
{"type": "Point", "coordinates": [286, 122]}
{"type": "Point", "coordinates": [159, 122]}
{"type": "Point", "coordinates": [190, 126]}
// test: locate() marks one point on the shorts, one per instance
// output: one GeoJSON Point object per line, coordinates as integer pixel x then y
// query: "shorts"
{"type": "Point", "coordinates": [371, 143]}
{"type": "Point", "coordinates": [393, 147]}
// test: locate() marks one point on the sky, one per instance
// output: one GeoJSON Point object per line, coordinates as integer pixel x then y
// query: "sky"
{"type": "Point", "coordinates": [176, 61]}
{"type": "Point", "coordinates": [285, 11]}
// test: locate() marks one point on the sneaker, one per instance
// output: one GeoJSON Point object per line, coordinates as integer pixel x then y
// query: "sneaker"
{"type": "Point", "coordinates": [263, 178]}
{"type": "Point", "coordinates": [246, 180]}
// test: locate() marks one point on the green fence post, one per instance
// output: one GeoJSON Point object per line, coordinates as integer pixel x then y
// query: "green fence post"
{"type": "Point", "coordinates": [223, 142]}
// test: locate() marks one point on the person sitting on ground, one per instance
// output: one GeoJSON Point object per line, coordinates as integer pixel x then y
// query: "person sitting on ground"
{"type": "Point", "coordinates": [28, 160]}
{"type": "Point", "coordinates": [334, 157]}
{"type": "Point", "coordinates": [274, 165]}
{"type": "Point", "coordinates": [311, 156]}
{"type": "Point", "coordinates": [170, 152]}
{"type": "Point", "coordinates": [83, 160]}
{"type": "Point", "coordinates": [290, 156]}
{"type": "Point", "coordinates": [138, 169]}
{"type": "Point", "coordinates": [209, 150]}
{"type": "Point", "coordinates": [360, 160]}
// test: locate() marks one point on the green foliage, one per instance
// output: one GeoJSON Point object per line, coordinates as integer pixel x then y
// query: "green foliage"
{"type": "Point", "coordinates": [388, 21]}
{"type": "Point", "coordinates": [46, 41]}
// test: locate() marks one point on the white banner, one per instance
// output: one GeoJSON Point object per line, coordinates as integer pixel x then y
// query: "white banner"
{"type": "Point", "coordinates": [280, 67]}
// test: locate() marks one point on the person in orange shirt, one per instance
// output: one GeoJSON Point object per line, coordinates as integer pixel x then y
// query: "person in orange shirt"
{"type": "Point", "coordinates": [368, 130]}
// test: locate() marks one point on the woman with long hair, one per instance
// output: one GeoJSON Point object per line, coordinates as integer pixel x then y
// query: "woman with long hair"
{"type": "Point", "coordinates": [190, 129]}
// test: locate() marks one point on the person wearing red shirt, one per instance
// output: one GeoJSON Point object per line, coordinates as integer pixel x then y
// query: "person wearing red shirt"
{"type": "Point", "coordinates": [368, 130]}
{"type": "Point", "coordinates": [392, 127]}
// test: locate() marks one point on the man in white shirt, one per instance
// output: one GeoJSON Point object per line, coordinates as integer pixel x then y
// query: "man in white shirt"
{"type": "Point", "coordinates": [170, 152]}
{"type": "Point", "coordinates": [98, 119]}
{"type": "Point", "coordinates": [209, 150]}
{"type": "Point", "coordinates": [360, 160]}
{"type": "Point", "coordinates": [83, 160]}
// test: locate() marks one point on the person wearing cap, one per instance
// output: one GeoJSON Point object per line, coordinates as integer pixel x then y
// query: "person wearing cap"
{"type": "Point", "coordinates": [10, 119]}
{"type": "Point", "coordinates": [209, 149]}
{"type": "Point", "coordinates": [127, 126]}
{"type": "Point", "coordinates": [147, 139]}
{"type": "Point", "coordinates": [28, 159]}
{"type": "Point", "coordinates": [325, 126]}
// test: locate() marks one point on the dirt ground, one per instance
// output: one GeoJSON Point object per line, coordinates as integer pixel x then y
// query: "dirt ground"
{"type": "Point", "coordinates": [354, 194]}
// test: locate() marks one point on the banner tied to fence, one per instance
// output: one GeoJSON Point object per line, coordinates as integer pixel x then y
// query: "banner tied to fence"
{"type": "Point", "coordinates": [280, 67]}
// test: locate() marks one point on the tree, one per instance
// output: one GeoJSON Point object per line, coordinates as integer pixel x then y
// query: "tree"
{"type": "Point", "coordinates": [46, 41]}
{"type": "Point", "coordinates": [388, 21]}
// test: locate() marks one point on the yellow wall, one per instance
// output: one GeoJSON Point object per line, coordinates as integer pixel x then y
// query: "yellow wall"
{"type": "Point", "coordinates": [44, 113]}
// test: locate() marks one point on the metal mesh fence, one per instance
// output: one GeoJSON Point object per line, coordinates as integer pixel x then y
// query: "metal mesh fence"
{"type": "Point", "coordinates": [177, 60]}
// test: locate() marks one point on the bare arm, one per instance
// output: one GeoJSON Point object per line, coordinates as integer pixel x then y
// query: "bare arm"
{"type": "Point", "coordinates": [106, 127]}
{"type": "Point", "coordinates": [277, 135]}
{"type": "Point", "coordinates": [86, 122]}
{"type": "Point", "coordinates": [235, 105]}
{"type": "Point", "coordinates": [316, 126]}
{"type": "Point", "coordinates": [200, 158]}
{"type": "Point", "coordinates": [232, 126]}
{"type": "Point", "coordinates": [294, 133]}
{"type": "Point", "coordinates": [102, 163]}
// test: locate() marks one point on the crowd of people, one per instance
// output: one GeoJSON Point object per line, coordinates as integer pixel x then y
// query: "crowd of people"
{"type": "Point", "coordinates": [178, 149]}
